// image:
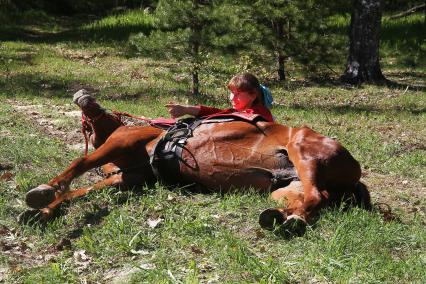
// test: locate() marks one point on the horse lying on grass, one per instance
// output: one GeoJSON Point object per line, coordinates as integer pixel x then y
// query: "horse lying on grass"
{"type": "Point", "coordinates": [303, 170]}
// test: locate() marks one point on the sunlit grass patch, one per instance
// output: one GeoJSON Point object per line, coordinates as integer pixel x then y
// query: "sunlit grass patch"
{"type": "Point", "coordinates": [120, 26]}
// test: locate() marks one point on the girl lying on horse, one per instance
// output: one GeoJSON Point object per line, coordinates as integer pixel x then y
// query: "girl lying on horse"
{"type": "Point", "coordinates": [220, 156]}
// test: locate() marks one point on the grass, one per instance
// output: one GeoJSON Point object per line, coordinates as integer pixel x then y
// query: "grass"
{"type": "Point", "coordinates": [106, 237]}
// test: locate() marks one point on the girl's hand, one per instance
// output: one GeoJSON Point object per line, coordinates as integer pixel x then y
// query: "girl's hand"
{"type": "Point", "coordinates": [177, 110]}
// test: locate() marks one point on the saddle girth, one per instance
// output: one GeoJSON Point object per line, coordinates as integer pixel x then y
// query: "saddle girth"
{"type": "Point", "coordinates": [166, 156]}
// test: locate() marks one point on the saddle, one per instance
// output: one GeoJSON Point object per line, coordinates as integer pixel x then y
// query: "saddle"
{"type": "Point", "coordinates": [166, 157]}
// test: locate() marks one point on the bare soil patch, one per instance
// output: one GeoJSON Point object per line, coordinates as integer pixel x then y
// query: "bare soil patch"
{"type": "Point", "coordinates": [50, 124]}
{"type": "Point", "coordinates": [62, 122]}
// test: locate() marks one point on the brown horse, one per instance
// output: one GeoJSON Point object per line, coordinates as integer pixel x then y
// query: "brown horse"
{"type": "Point", "coordinates": [221, 156]}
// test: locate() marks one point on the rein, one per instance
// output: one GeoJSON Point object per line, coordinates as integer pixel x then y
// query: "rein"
{"type": "Point", "coordinates": [120, 114]}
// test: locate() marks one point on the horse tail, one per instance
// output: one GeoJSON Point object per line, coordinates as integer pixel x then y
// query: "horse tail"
{"type": "Point", "coordinates": [363, 200]}
{"type": "Point", "coordinates": [362, 196]}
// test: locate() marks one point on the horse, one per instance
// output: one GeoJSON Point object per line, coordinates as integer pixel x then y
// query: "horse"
{"type": "Point", "coordinates": [303, 170]}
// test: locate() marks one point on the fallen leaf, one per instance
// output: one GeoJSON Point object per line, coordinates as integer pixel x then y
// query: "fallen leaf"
{"type": "Point", "coordinates": [140, 252]}
{"type": "Point", "coordinates": [147, 266]}
{"type": "Point", "coordinates": [4, 230]}
{"type": "Point", "coordinates": [153, 223]}
{"type": "Point", "coordinates": [82, 259]}
{"type": "Point", "coordinates": [6, 176]}
{"type": "Point", "coordinates": [171, 197]}
{"type": "Point", "coordinates": [6, 167]}
{"type": "Point", "coordinates": [196, 249]}
{"type": "Point", "coordinates": [259, 235]}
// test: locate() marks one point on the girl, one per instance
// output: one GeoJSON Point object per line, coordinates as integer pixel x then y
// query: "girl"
{"type": "Point", "coordinates": [247, 95]}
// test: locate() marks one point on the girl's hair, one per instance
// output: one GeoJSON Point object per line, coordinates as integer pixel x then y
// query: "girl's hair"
{"type": "Point", "coordinates": [247, 82]}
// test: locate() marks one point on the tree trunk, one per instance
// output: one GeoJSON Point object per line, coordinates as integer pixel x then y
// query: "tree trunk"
{"type": "Point", "coordinates": [279, 29]}
{"type": "Point", "coordinates": [195, 83]}
{"type": "Point", "coordinates": [195, 49]}
{"type": "Point", "coordinates": [363, 62]}
{"type": "Point", "coordinates": [281, 69]}
{"type": "Point", "coordinates": [196, 29]}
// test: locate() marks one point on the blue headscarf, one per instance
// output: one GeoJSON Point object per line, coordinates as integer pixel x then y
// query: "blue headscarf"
{"type": "Point", "coordinates": [267, 97]}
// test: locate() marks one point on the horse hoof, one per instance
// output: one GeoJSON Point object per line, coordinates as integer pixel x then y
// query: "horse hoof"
{"type": "Point", "coordinates": [294, 225]}
{"type": "Point", "coordinates": [40, 196]}
{"type": "Point", "coordinates": [270, 218]}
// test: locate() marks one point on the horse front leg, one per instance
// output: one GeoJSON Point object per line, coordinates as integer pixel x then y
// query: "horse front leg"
{"type": "Point", "coordinates": [101, 122]}
{"type": "Point", "coordinates": [114, 180]}
{"type": "Point", "coordinates": [120, 180]}
{"type": "Point", "coordinates": [58, 187]}
{"type": "Point", "coordinates": [126, 147]}
{"type": "Point", "coordinates": [283, 218]}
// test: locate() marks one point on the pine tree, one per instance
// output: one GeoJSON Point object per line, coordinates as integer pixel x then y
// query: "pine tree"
{"type": "Point", "coordinates": [289, 28]}
{"type": "Point", "coordinates": [187, 30]}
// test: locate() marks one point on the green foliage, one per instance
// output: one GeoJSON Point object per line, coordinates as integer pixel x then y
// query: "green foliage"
{"type": "Point", "coordinates": [277, 31]}
{"type": "Point", "coordinates": [188, 31]}
{"type": "Point", "coordinates": [120, 26]}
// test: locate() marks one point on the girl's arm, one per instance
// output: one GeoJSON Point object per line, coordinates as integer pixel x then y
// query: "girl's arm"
{"type": "Point", "coordinates": [205, 110]}
{"type": "Point", "coordinates": [177, 110]}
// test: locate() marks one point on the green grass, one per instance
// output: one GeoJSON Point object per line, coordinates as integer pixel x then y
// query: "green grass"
{"type": "Point", "coordinates": [203, 237]}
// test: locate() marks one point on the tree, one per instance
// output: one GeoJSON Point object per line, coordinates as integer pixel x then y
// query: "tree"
{"type": "Point", "coordinates": [187, 30]}
{"type": "Point", "coordinates": [275, 17]}
{"type": "Point", "coordinates": [290, 28]}
{"type": "Point", "coordinates": [363, 61]}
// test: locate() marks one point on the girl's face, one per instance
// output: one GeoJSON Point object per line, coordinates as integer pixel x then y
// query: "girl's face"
{"type": "Point", "coordinates": [241, 100]}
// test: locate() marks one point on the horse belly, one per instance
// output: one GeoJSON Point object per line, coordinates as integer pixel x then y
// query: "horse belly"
{"type": "Point", "coordinates": [225, 164]}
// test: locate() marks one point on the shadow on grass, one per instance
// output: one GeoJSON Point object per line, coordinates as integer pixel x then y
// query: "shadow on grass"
{"type": "Point", "coordinates": [39, 84]}
{"type": "Point", "coordinates": [402, 86]}
{"type": "Point", "coordinates": [345, 109]}
{"type": "Point", "coordinates": [71, 30]}
{"type": "Point", "coordinates": [413, 81]}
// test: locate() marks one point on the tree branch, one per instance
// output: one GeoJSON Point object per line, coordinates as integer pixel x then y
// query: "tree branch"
{"type": "Point", "coordinates": [409, 11]}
